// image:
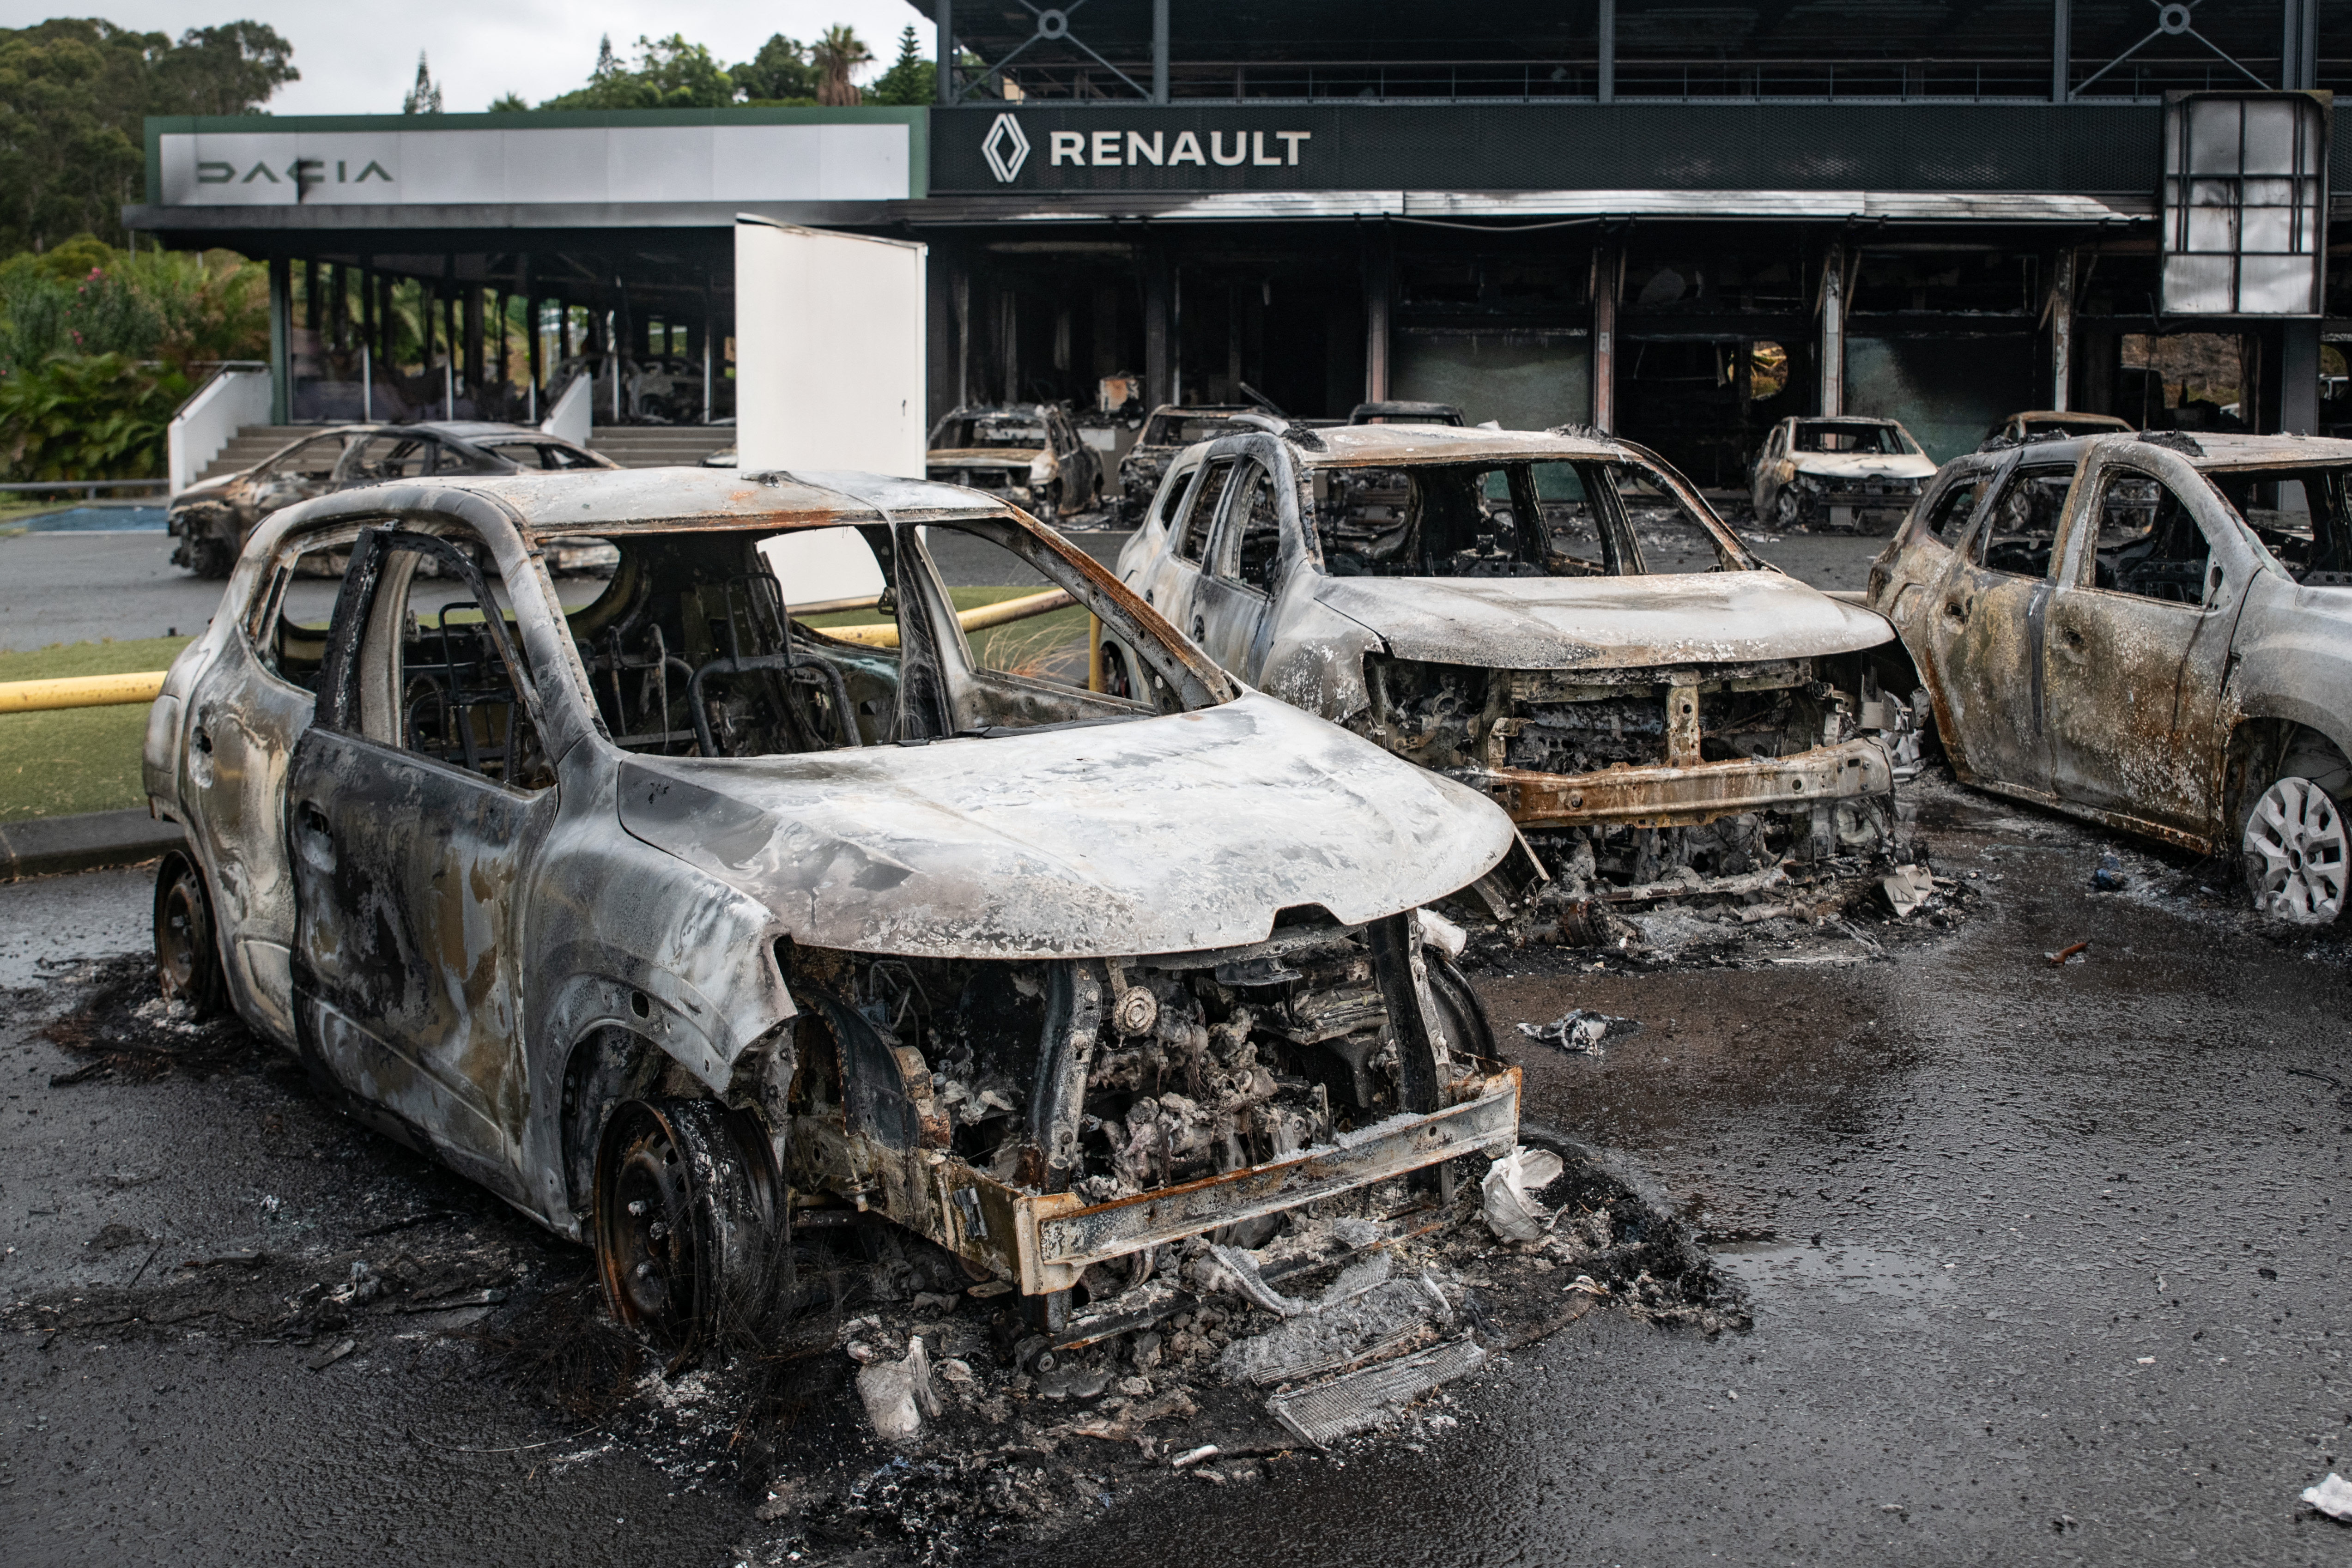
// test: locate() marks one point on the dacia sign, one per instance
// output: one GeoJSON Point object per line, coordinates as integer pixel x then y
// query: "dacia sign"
{"type": "Point", "coordinates": [523, 161]}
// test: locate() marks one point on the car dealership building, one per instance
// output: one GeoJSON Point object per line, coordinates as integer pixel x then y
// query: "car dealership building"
{"type": "Point", "coordinates": [1677, 222]}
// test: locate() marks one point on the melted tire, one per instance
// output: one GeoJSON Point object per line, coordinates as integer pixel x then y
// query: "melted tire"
{"type": "Point", "coordinates": [686, 1225]}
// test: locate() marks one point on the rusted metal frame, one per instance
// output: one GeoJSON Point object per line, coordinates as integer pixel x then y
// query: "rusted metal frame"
{"type": "Point", "coordinates": [1683, 797]}
{"type": "Point", "coordinates": [1402, 972]}
{"type": "Point", "coordinates": [1488, 1120]}
{"type": "Point", "coordinates": [1077, 994]}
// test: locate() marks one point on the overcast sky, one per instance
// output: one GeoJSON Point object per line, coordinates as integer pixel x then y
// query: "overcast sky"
{"type": "Point", "coordinates": [361, 59]}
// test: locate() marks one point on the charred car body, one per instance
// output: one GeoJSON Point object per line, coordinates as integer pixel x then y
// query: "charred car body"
{"type": "Point", "coordinates": [2154, 633]}
{"type": "Point", "coordinates": [663, 916]}
{"type": "Point", "coordinates": [1848, 474]}
{"type": "Point", "coordinates": [2046, 425]}
{"type": "Point", "coordinates": [1029, 454]}
{"type": "Point", "coordinates": [1557, 620]}
{"type": "Point", "coordinates": [1168, 431]}
{"type": "Point", "coordinates": [213, 519]}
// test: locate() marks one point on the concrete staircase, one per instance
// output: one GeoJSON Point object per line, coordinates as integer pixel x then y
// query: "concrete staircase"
{"type": "Point", "coordinates": [630, 445]}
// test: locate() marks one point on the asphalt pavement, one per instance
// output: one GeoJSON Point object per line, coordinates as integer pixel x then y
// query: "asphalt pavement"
{"type": "Point", "coordinates": [2042, 1264]}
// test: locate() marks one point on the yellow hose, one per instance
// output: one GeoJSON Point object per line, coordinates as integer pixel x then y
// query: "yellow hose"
{"type": "Point", "coordinates": [79, 691]}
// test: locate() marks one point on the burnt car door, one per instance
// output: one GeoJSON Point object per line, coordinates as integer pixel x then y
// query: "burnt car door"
{"type": "Point", "coordinates": [2138, 642]}
{"type": "Point", "coordinates": [1170, 581]}
{"type": "Point", "coordinates": [415, 803]}
{"type": "Point", "coordinates": [1249, 560]}
{"type": "Point", "coordinates": [1983, 630]}
{"type": "Point", "coordinates": [1076, 460]}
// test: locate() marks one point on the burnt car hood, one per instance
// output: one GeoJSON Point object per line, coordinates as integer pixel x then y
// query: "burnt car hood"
{"type": "Point", "coordinates": [976, 456]}
{"type": "Point", "coordinates": [1564, 624]}
{"type": "Point", "coordinates": [1153, 835]}
{"type": "Point", "coordinates": [1864, 465]}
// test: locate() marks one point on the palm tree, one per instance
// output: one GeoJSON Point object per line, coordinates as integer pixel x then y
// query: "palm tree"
{"type": "Point", "coordinates": [836, 53]}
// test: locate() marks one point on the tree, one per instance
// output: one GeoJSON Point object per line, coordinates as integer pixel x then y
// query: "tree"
{"type": "Point", "coordinates": [779, 74]}
{"type": "Point", "coordinates": [837, 53]}
{"type": "Point", "coordinates": [911, 82]}
{"type": "Point", "coordinates": [424, 98]}
{"type": "Point", "coordinates": [508, 103]}
{"type": "Point", "coordinates": [669, 73]}
{"type": "Point", "coordinates": [74, 95]}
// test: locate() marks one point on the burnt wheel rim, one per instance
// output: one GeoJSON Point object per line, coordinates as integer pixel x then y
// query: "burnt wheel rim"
{"type": "Point", "coordinates": [650, 1253]}
{"type": "Point", "coordinates": [181, 938]}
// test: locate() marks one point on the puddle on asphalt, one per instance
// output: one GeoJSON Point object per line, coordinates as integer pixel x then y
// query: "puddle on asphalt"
{"type": "Point", "coordinates": [1848, 1273]}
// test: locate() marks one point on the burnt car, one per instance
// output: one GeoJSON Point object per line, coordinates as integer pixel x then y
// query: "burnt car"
{"type": "Point", "coordinates": [1847, 474]}
{"type": "Point", "coordinates": [1557, 620]}
{"type": "Point", "coordinates": [213, 519]}
{"type": "Point", "coordinates": [2046, 425]}
{"type": "Point", "coordinates": [2151, 632]}
{"type": "Point", "coordinates": [1029, 454]}
{"type": "Point", "coordinates": [1395, 413]}
{"type": "Point", "coordinates": [668, 914]}
{"type": "Point", "coordinates": [1170, 429]}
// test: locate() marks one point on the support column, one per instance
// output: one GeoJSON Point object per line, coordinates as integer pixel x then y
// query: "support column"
{"type": "Point", "coordinates": [1833, 331]}
{"type": "Point", "coordinates": [944, 11]}
{"type": "Point", "coordinates": [1159, 50]}
{"type": "Point", "coordinates": [2061, 50]}
{"type": "Point", "coordinates": [940, 333]}
{"type": "Point", "coordinates": [2299, 46]}
{"type": "Point", "coordinates": [1378, 289]}
{"type": "Point", "coordinates": [2062, 330]}
{"type": "Point", "coordinates": [1158, 364]}
{"type": "Point", "coordinates": [281, 340]}
{"type": "Point", "coordinates": [2299, 376]}
{"type": "Point", "coordinates": [1606, 86]}
{"type": "Point", "coordinates": [1608, 271]}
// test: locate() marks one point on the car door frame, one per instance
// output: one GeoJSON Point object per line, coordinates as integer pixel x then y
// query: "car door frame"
{"type": "Point", "coordinates": [2101, 686]}
{"type": "Point", "coordinates": [1985, 601]}
{"type": "Point", "coordinates": [1231, 619]}
{"type": "Point", "coordinates": [376, 1021]}
{"type": "Point", "coordinates": [1170, 581]}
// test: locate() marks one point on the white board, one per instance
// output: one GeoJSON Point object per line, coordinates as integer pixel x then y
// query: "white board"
{"type": "Point", "coordinates": [823, 565]}
{"type": "Point", "coordinates": [829, 350]}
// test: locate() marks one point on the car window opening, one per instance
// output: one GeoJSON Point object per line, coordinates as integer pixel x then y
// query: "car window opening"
{"type": "Point", "coordinates": [987, 428]}
{"type": "Point", "coordinates": [2149, 545]}
{"type": "Point", "coordinates": [698, 648]}
{"type": "Point", "coordinates": [2023, 525]}
{"type": "Point", "coordinates": [1831, 436]}
{"type": "Point", "coordinates": [1598, 518]}
{"type": "Point", "coordinates": [2302, 517]}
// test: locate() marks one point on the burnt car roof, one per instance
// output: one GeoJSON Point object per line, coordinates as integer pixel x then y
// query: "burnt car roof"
{"type": "Point", "coordinates": [1337, 445]}
{"type": "Point", "coordinates": [657, 500]}
{"type": "Point", "coordinates": [2215, 452]}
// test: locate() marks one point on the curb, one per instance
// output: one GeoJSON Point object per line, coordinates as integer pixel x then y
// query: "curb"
{"type": "Point", "coordinates": [45, 846]}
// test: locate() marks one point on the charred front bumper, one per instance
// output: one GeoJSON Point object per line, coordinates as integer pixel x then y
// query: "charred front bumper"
{"type": "Point", "coordinates": [1671, 797]}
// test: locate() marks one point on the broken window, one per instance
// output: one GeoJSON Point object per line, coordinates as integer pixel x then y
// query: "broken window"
{"type": "Point", "coordinates": [1184, 429]}
{"type": "Point", "coordinates": [2304, 517]}
{"type": "Point", "coordinates": [2023, 521]}
{"type": "Point", "coordinates": [1668, 538]}
{"type": "Point", "coordinates": [1192, 540]}
{"type": "Point", "coordinates": [981, 577]}
{"type": "Point", "coordinates": [1167, 507]}
{"type": "Point", "coordinates": [1829, 435]}
{"type": "Point", "coordinates": [1956, 505]}
{"type": "Point", "coordinates": [390, 456]}
{"type": "Point", "coordinates": [441, 672]}
{"type": "Point", "coordinates": [287, 624]}
{"type": "Point", "coordinates": [1464, 520]}
{"type": "Point", "coordinates": [1255, 555]}
{"type": "Point", "coordinates": [1579, 544]}
{"type": "Point", "coordinates": [986, 427]}
{"type": "Point", "coordinates": [2148, 544]}
{"type": "Point", "coordinates": [313, 461]}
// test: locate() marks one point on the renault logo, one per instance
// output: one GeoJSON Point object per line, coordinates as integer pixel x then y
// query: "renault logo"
{"type": "Point", "coordinates": [1004, 148]}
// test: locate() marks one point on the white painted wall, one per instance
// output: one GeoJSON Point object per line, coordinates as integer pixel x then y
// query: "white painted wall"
{"type": "Point", "coordinates": [223, 405]}
{"type": "Point", "coordinates": [829, 350]}
{"type": "Point", "coordinates": [575, 412]}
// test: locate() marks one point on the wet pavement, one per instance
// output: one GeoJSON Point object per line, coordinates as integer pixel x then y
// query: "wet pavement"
{"type": "Point", "coordinates": [2042, 1262]}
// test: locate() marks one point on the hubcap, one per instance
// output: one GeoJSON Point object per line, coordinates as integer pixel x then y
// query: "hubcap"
{"type": "Point", "coordinates": [2296, 853]}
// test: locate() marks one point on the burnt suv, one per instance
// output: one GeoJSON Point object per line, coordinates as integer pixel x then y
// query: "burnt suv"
{"type": "Point", "coordinates": [212, 519]}
{"type": "Point", "coordinates": [1557, 620]}
{"type": "Point", "coordinates": [666, 912]}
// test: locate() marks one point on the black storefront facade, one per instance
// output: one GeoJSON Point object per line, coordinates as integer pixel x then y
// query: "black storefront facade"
{"type": "Point", "coordinates": [1685, 273]}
